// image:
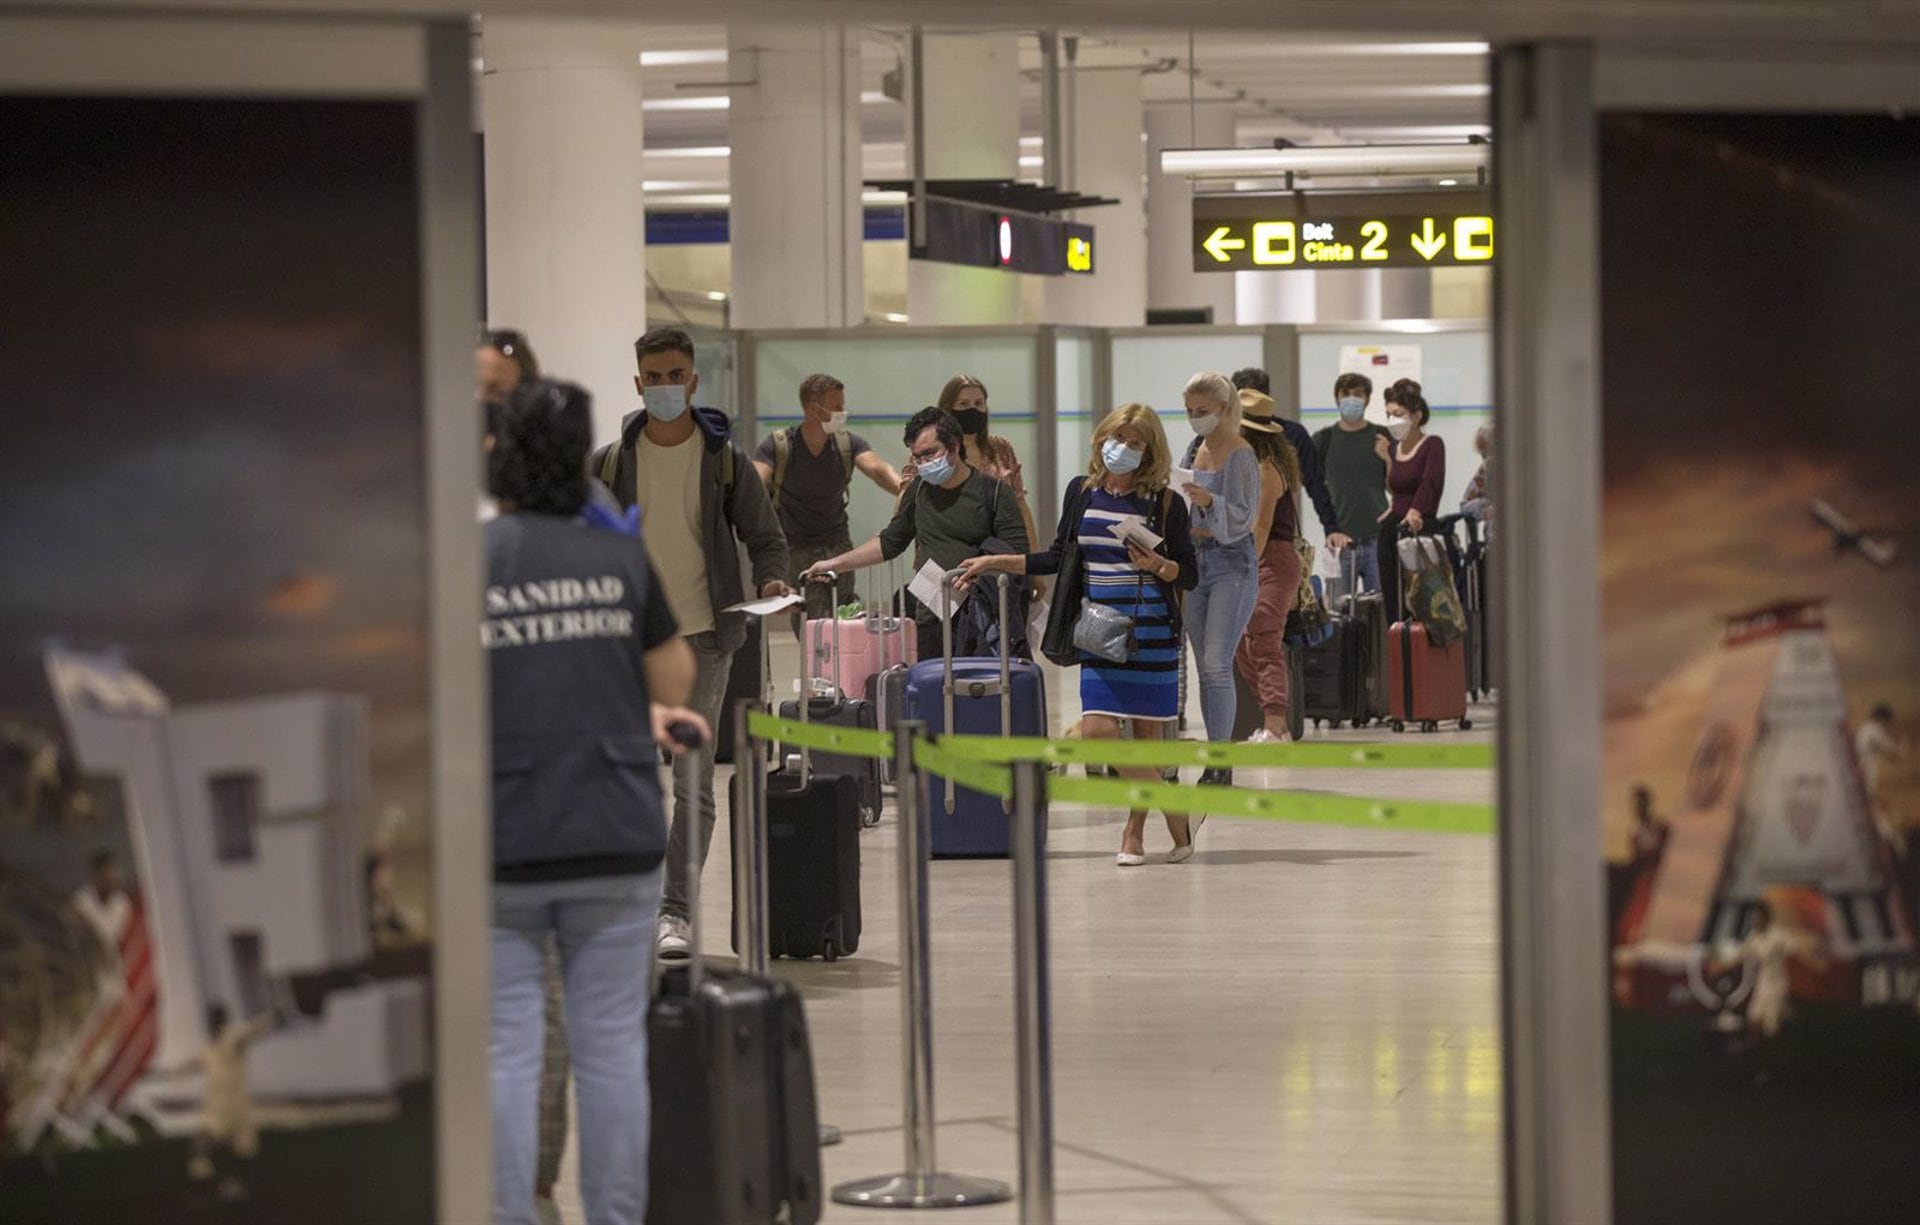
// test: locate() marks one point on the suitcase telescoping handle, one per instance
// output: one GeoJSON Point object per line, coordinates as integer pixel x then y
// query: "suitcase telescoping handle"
{"type": "Point", "coordinates": [1006, 665]}
{"type": "Point", "coordinates": [806, 690]}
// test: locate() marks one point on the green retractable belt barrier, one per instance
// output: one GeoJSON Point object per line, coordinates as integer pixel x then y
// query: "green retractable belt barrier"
{"type": "Point", "coordinates": [981, 763]}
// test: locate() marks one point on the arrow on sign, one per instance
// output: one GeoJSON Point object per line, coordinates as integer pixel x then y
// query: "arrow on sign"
{"type": "Point", "coordinates": [1219, 245]}
{"type": "Point", "coordinates": [1427, 243]}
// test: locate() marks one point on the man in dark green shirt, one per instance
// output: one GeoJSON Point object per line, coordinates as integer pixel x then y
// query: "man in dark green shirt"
{"type": "Point", "coordinates": [947, 513]}
{"type": "Point", "coordinates": [1356, 469]}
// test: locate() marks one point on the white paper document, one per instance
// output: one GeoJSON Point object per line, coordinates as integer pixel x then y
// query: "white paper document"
{"type": "Point", "coordinates": [925, 587]}
{"type": "Point", "coordinates": [1132, 529]}
{"type": "Point", "coordinates": [1178, 480]}
{"type": "Point", "coordinates": [768, 606]}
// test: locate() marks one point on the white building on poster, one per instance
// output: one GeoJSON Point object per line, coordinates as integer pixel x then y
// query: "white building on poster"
{"type": "Point", "coordinates": [248, 824]}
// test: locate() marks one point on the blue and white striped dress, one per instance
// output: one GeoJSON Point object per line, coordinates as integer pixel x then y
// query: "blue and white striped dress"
{"type": "Point", "coordinates": [1147, 686]}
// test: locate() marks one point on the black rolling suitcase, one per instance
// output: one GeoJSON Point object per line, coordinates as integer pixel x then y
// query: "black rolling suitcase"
{"type": "Point", "coordinates": [813, 853]}
{"type": "Point", "coordinates": [1339, 674]}
{"type": "Point", "coordinates": [735, 1130]}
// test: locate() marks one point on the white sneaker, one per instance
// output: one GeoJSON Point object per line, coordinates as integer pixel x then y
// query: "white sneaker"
{"type": "Point", "coordinates": [675, 942]}
{"type": "Point", "coordinates": [1263, 736]}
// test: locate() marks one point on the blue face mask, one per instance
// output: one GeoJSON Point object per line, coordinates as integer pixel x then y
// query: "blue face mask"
{"type": "Point", "coordinates": [1119, 458]}
{"type": "Point", "coordinates": [665, 401]}
{"type": "Point", "coordinates": [1352, 408]}
{"type": "Point", "coordinates": [937, 471]}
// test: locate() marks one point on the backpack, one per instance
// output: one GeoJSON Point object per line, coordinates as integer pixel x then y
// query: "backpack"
{"type": "Point", "coordinates": [609, 466]}
{"type": "Point", "coordinates": [783, 452]}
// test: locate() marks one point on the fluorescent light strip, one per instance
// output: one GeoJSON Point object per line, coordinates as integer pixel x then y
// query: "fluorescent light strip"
{"type": "Point", "coordinates": [1359, 49]}
{"type": "Point", "coordinates": [665, 197]}
{"type": "Point", "coordinates": [689, 151]}
{"type": "Point", "coordinates": [1340, 159]}
{"type": "Point", "coordinates": [661, 185]}
{"type": "Point", "coordinates": [682, 59]}
{"type": "Point", "coordinates": [1419, 131]}
{"type": "Point", "coordinates": [712, 102]}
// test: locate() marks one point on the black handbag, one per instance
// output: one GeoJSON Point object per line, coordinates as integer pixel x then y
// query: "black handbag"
{"type": "Point", "coordinates": [1069, 590]}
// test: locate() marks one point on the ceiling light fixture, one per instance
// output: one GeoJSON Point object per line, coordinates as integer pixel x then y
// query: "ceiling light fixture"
{"type": "Point", "coordinates": [689, 151]}
{"type": "Point", "coordinates": [682, 59]}
{"type": "Point", "coordinates": [1325, 160]}
{"type": "Point", "coordinates": [713, 102]}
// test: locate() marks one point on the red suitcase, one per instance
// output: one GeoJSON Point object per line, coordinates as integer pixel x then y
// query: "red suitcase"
{"type": "Point", "coordinates": [1425, 683]}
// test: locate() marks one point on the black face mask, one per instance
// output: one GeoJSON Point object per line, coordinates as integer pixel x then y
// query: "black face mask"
{"type": "Point", "coordinates": [972, 420]}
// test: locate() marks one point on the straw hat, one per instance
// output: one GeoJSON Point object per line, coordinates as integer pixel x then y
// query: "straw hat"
{"type": "Point", "coordinates": [1256, 412]}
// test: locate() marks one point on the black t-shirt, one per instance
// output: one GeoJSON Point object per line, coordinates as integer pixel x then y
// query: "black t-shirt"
{"type": "Point", "coordinates": [813, 490]}
{"type": "Point", "coordinates": [571, 612]}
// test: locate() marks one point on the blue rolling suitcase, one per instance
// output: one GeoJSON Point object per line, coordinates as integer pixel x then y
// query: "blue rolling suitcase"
{"type": "Point", "coordinates": [974, 697]}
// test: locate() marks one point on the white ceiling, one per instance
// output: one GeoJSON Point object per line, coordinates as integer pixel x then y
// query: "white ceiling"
{"type": "Point", "coordinates": [1312, 89]}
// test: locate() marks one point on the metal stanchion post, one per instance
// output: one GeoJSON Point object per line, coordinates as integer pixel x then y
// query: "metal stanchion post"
{"type": "Point", "coordinates": [921, 1185]}
{"type": "Point", "coordinates": [1033, 1013]}
{"type": "Point", "coordinates": [749, 826]}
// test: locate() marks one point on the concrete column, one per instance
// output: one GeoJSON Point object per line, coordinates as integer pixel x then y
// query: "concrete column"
{"type": "Point", "coordinates": [1274, 297]}
{"type": "Point", "coordinates": [1109, 160]}
{"type": "Point", "coordinates": [972, 97]}
{"type": "Point", "coordinates": [1346, 295]}
{"type": "Point", "coordinates": [1171, 281]}
{"type": "Point", "coordinates": [1406, 293]}
{"type": "Point", "coordinates": [795, 169]}
{"type": "Point", "coordinates": [565, 207]}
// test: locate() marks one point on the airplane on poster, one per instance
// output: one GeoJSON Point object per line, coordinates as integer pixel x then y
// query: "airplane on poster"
{"type": "Point", "coordinates": [1850, 537]}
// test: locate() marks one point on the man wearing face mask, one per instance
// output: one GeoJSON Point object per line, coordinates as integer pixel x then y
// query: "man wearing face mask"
{"type": "Point", "coordinates": [809, 475]}
{"type": "Point", "coordinates": [701, 499]}
{"type": "Point", "coordinates": [949, 513]}
{"type": "Point", "coordinates": [1350, 453]}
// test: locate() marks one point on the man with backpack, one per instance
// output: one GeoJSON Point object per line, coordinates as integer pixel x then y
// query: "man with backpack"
{"type": "Point", "coordinates": [700, 500]}
{"type": "Point", "coordinates": [808, 470]}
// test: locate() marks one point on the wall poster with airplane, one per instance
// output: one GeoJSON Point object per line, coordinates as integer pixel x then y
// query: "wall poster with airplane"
{"type": "Point", "coordinates": [214, 787]}
{"type": "Point", "coordinates": [1760, 576]}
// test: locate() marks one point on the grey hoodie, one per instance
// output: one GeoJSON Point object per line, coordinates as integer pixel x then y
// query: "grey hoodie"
{"type": "Point", "coordinates": [730, 515]}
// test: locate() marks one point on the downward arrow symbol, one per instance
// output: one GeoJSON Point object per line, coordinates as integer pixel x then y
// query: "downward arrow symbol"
{"type": "Point", "coordinates": [1219, 245]}
{"type": "Point", "coordinates": [1427, 243]}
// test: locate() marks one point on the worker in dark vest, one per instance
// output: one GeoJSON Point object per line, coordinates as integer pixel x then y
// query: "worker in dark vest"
{"type": "Point", "coordinates": [589, 676]}
{"type": "Point", "coordinates": [808, 470]}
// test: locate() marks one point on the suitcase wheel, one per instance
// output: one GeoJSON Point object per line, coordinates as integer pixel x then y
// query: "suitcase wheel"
{"type": "Point", "coordinates": [1466, 725]}
{"type": "Point", "coordinates": [1429, 727]}
{"type": "Point", "coordinates": [829, 950]}
{"type": "Point", "coordinates": [1398, 725]}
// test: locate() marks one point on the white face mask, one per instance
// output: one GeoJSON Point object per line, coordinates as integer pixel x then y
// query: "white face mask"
{"type": "Point", "coordinates": [665, 401]}
{"type": "Point", "coordinates": [1399, 427]}
{"type": "Point", "coordinates": [1205, 425]}
{"type": "Point", "coordinates": [837, 422]}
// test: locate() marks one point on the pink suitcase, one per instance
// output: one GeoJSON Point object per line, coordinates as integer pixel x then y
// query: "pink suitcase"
{"type": "Point", "coordinates": [861, 647]}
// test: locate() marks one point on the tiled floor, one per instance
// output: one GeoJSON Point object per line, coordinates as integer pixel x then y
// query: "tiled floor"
{"type": "Point", "coordinates": [1298, 1025]}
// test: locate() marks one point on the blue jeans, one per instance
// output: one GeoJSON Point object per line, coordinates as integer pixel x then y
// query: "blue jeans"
{"type": "Point", "coordinates": [1365, 565]}
{"type": "Point", "coordinates": [1217, 614]}
{"type": "Point", "coordinates": [605, 928]}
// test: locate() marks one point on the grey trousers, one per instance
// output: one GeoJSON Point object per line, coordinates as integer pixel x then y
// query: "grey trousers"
{"type": "Point", "coordinates": [693, 810]}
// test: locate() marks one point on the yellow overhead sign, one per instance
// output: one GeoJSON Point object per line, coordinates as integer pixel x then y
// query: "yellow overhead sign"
{"type": "Point", "coordinates": [1255, 232]}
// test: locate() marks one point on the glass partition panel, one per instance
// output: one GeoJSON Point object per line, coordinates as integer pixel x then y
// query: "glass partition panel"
{"type": "Point", "coordinates": [889, 377]}
{"type": "Point", "coordinates": [1153, 368]}
{"type": "Point", "coordinates": [1455, 372]}
{"type": "Point", "coordinates": [1074, 391]}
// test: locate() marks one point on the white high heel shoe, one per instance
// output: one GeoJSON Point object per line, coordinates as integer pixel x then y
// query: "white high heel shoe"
{"type": "Point", "coordinates": [1128, 859]}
